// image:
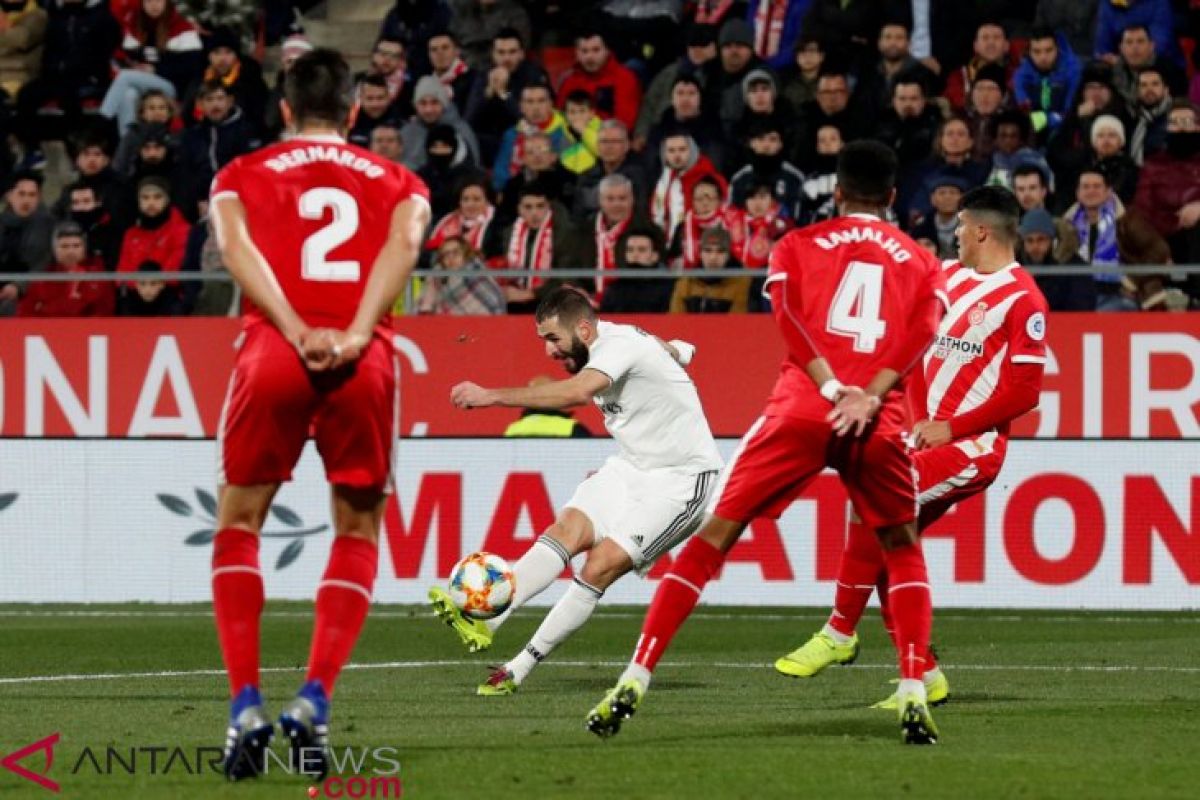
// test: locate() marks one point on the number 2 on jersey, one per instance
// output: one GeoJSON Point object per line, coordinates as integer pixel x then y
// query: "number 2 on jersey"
{"type": "Point", "coordinates": [314, 255]}
{"type": "Point", "coordinates": [855, 309]}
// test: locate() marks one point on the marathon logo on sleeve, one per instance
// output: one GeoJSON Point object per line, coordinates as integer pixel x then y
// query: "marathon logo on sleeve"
{"type": "Point", "coordinates": [864, 234]}
{"type": "Point", "coordinates": [315, 153]}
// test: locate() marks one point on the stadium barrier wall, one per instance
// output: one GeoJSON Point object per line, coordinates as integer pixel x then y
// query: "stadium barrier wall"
{"type": "Point", "coordinates": [1108, 376]}
{"type": "Point", "coordinates": [1071, 524]}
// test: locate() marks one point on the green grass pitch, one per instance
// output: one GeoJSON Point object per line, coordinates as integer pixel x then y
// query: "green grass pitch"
{"type": "Point", "coordinates": [1044, 705]}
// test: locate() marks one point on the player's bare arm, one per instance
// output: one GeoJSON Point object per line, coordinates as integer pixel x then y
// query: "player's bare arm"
{"type": "Point", "coordinates": [574, 391]}
{"type": "Point", "coordinates": [389, 275]}
{"type": "Point", "coordinates": [245, 262]}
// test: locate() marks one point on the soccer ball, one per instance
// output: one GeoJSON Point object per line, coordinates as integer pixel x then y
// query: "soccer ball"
{"type": "Point", "coordinates": [482, 585]}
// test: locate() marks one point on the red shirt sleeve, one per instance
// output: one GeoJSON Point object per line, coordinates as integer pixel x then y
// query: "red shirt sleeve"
{"type": "Point", "coordinates": [783, 284]}
{"type": "Point", "coordinates": [228, 181]}
{"type": "Point", "coordinates": [1017, 393]}
{"type": "Point", "coordinates": [1026, 325]}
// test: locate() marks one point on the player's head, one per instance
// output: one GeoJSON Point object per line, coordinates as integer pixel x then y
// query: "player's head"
{"type": "Point", "coordinates": [318, 91]}
{"type": "Point", "coordinates": [866, 177]}
{"type": "Point", "coordinates": [566, 322]}
{"type": "Point", "coordinates": [987, 225]}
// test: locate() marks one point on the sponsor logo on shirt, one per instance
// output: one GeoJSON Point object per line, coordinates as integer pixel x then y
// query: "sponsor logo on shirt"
{"type": "Point", "coordinates": [951, 347]}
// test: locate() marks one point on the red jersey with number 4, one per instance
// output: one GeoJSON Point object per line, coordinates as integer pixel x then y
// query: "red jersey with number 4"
{"type": "Point", "coordinates": [995, 320]}
{"type": "Point", "coordinates": [858, 292]}
{"type": "Point", "coordinates": [319, 210]}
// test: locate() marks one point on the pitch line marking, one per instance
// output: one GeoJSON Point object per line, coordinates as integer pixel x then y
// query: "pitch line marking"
{"type": "Point", "coordinates": [1185, 616]}
{"type": "Point", "coordinates": [102, 676]}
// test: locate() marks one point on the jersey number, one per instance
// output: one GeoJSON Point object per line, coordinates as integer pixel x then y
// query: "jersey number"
{"type": "Point", "coordinates": [855, 309]}
{"type": "Point", "coordinates": [314, 255]}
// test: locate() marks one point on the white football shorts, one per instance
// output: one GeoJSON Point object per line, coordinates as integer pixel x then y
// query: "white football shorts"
{"type": "Point", "coordinates": [646, 512]}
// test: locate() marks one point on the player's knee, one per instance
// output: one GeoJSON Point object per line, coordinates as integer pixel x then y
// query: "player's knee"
{"type": "Point", "coordinates": [573, 530]}
{"type": "Point", "coordinates": [605, 564]}
{"type": "Point", "coordinates": [357, 512]}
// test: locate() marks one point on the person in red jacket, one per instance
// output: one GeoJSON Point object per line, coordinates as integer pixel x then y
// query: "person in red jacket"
{"type": "Point", "coordinates": [683, 167]}
{"type": "Point", "coordinates": [161, 232]}
{"type": "Point", "coordinates": [74, 299]}
{"type": "Point", "coordinates": [614, 89]}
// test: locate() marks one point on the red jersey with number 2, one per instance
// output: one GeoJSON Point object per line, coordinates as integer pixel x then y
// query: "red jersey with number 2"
{"type": "Point", "coordinates": [319, 210]}
{"type": "Point", "coordinates": [858, 292]}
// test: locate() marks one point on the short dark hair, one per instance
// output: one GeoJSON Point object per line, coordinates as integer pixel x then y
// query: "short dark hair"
{"type": "Point", "coordinates": [567, 303]}
{"type": "Point", "coordinates": [893, 22]}
{"type": "Point", "coordinates": [1095, 169]}
{"type": "Point", "coordinates": [866, 172]}
{"type": "Point", "coordinates": [998, 206]}
{"type": "Point", "coordinates": [319, 87]}
{"type": "Point", "coordinates": [82, 186]}
{"type": "Point", "coordinates": [24, 175]}
{"type": "Point", "coordinates": [591, 33]}
{"type": "Point", "coordinates": [535, 188]}
{"type": "Point", "coordinates": [509, 33]}
{"type": "Point", "coordinates": [1137, 26]}
{"type": "Point", "coordinates": [1043, 32]}
{"type": "Point", "coordinates": [580, 97]}
{"type": "Point", "coordinates": [539, 84]}
{"type": "Point", "coordinates": [378, 81]}
{"type": "Point", "coordinates": [650, 232]}
{"type": "Point", "coordinates": [910, 77]}
{"type": "Point", "coordinates": [1030, 169]}
{"type": "Point", "coordinates": [440, 32]}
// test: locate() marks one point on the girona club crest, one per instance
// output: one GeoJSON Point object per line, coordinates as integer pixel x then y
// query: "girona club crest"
{"type": "Point", "coordinates": [978, 314]}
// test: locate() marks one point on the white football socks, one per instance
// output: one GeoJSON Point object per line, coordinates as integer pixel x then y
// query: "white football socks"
{"type": "Point", "coordinates": [568, 615]}
{"type": "Point", "coordinates": [836, 635]}
{"type": "Point", "coordinates": [532, 573]}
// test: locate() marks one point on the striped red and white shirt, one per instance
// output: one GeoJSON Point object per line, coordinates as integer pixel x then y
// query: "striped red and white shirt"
{"type": "Point", "coordinates": [995, 321]}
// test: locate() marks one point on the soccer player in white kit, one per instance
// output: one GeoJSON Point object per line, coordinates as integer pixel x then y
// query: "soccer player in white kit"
{"type": "Point", "coordinates": [641, 503]}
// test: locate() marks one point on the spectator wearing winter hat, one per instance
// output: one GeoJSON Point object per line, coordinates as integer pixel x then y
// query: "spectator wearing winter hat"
{"type": "Point", "coordinates": [697, 294]}
{"type": "Point", "coordinates": [722, 77]}
{"type": "Point", "coordinates": [433, 108]}
{"type": "Point", "coordinates": [1039, 248]}
{"type": "Point", "coordinates": [160, 234]}
{"type": "Point", "coordinates": [946, 191]}
{"type": "Point", "coordinates": [615, 90]}
{"type": "Point", "coordinates": [294, 46]}
{"type": "Point", "coordinates": [763, 104]}
{"type": "Point", "coordinates": [683, 166]}
{"type": "Point", "coordinates": [240, 74]}
{"type": "Point", "coordinates": [446, 167]}
{"type": "Point", "coordinates": [986, 100]}
{"type": "Point", "coordinates": [1108, 153]}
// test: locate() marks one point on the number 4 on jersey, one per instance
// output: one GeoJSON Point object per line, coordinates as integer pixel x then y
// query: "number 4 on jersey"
{"type": "Point", "coordinates": [855, 309]}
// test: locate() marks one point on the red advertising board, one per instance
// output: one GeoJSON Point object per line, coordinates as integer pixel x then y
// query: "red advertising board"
{"type": "Point", "coordinates": [1109, 375]}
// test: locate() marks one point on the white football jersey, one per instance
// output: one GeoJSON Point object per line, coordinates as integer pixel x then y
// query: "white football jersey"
{"type": "Point", "coordinates": [651, 408]}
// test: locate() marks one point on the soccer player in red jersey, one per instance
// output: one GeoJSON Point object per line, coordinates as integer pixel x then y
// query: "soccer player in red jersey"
{"type": "Point", "coordinates": [321, 236]}
{"type": "Point", "coordinates": [983, 371]}
{"type": "Point", "coordinates": [857, 302]}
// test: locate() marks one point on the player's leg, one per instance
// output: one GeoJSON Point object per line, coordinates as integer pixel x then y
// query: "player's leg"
{"type": "Point", "coordinates": [773, 463]}
{"type": "Point", "coordinates": [533, 572]}
{"type": "Point", "coordinates": [661, 509]}
{"type": "Point", "coordinates": [606, 562]}
{"type": "Point", "coordinates": [355, 427]}
{"type": "Point", "coordinates": [837, 641]}
{"type": "Point", "coordinates": [343, 600]}
{"type": "Point", "coordinates": [261, 433]}
{"type": "Point", "coordinates": [880, 481]}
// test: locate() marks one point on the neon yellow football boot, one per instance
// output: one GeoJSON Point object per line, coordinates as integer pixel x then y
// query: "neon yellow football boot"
{"type": "Point", "coordinates": [937, 691]}
{"type": "Point", "coordinates": [617, 706]}
{"type": "Point", "coordinates": [916, 722]}
{"type": "Point", "coordinates": [816, 654]}
{"type": "Point", "coordinates": [499, 684]}
{"type": "Point", "coordinates": [475, 635]}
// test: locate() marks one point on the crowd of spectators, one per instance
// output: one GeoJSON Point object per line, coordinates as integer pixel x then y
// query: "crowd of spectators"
{"type": "Point", "coordinates": [685, 137]}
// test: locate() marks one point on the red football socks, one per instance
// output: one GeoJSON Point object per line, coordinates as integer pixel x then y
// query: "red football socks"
{"type": "Point", "coordinates": [343, 599]}
{"type": "Point", "coordinates": [862, 561]}
{"type": "Point", "coordinates": [237, 586]}
{"type": "Point", "coordinates": [677, 595]}
{"type": "Point", "coordinates": [911, 607]}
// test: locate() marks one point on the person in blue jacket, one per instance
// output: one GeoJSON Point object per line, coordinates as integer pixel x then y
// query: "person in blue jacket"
{"type": "Point", "coordinates": [1047, 80]}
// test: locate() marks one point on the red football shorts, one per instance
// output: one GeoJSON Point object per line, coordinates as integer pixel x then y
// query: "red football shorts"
{"type": "Point", "coordinates": [273, 403]}
{"type": "Point", "coordinates": [951, 473]}
{"type": "Point", "coordinates": [779, 456]}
